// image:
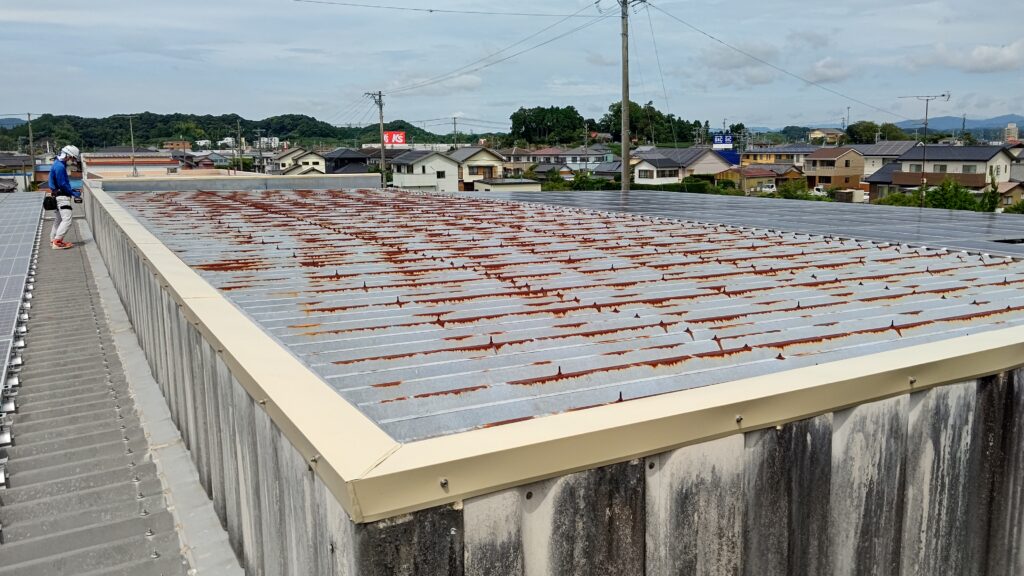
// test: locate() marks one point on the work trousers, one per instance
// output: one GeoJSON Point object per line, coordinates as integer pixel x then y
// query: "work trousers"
{"type": "Point", "coordinates": [61, 218]}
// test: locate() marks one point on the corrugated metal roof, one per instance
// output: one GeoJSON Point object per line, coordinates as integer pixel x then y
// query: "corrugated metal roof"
{"type": "Point", "coordinates": [438, 314]}
{"type": "Point", "coordinates": [19, 222]}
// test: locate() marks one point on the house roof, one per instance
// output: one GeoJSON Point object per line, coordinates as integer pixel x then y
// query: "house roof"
{"type": "Point", "coordinates": [677, 157]}
{"type": "Point", "coordinates": [835, 131]}
{"type": "Point", "coordinates": [831, 153]}
{"type": "Point", "coordinates": [463, 154]}
{"type": "Point", "coordinates": [288, 153]}
{"type": "Point", "coordinates": [757, 172]}
{"type": "Point", "coordinates": [345, 154]}
{"type": "Point", "coordinates": [781, 168]}
{"type": "Point", "coordinates": [501, 181]}
{"type": "Point", "coordinates": [955, 153]}
{"type": "Point", "coordinates": [373, 154]}
{"type": "Point", "coordinates": [592, 149]}
{"type": "Point", "coordinates": [894, 148]}
{"type": "Point", "coordinates": [544, 168]}
{"type": "Point", "coordinates": [605, 167]}
{"type": "Point", "coordinates": [353, 168]}
{"type": "Point", "coordinates": [884, 174]}
{"type": "Point", "coordinates": [1007, 187]}
{"type": "Point", "coordinates": [551, 151]}
{"type": "Point", "coordinates": [515, 151]}
{"type": "Point", "coordinates": [412, 156]}
{"type": "Point", "coordinates": [784, 149]}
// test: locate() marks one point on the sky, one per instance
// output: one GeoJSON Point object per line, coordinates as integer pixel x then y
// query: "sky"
{"type": "Point", "coordinates": [262, 58]}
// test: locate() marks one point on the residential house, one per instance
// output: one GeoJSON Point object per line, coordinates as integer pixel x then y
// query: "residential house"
{"type": "Point", "coordinates": [750, 179]}
{"type": "Point", "coordinates": [507, 185]}
{"type": "Point", "coordinates": [783, 172]}
{"type": "Point", "coordinates": [477, 163]}
{"type": "Point", "coordinates": [658, 166]}
{"type": "Point", "coordinates": [882, 153]}
{"type": "Point", "coordinates": [425, 170]}
{"type": "Point", "coordinates": [969, 166]}
{"type": "Point", "coordinates": [880, 182]}
{"type": "Point", "coordinates": [547, 155]}
{"type": "Point", "coordinates": [306, 163]}
{"type": "Point", "coordinates": [826, 135]}
{"type": "Point", "coordinates": [587, 157]}
{"type": "Point", "coordinates": [190, 161]}
{"type": "Point", "coordinates": [297, 161]}
{"type": "Point", "coordinates": [608, 170]}
{"type": "Point", "coordinates": [601, 136]}
{"type": "Point", "coordinates": [517, 160]}
{"type": "Point", "coordinates": [545, 170]}
{"type": "Point", "coordinates": [339, 158]}
{"type": "Point", "coordinates": [219, 159]}
{"type": "Point", "coordinates": [121, 164]}
{"type": "Point", "coordinates": [14, 161]}
{"type": "Point", "coordinates": [1010, 193]}
{"type": "Point", "coordinates": [177, 145]}
{"type": "Point", "coordinates": [373, 155]}
{"type": "Point", "coordinates": [783, 154]}
{"type": "Point", "coordinates": [841, 167]}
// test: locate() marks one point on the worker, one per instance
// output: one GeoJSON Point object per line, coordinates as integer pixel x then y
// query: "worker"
{"type": "Point", "coordinates": [61, 190]}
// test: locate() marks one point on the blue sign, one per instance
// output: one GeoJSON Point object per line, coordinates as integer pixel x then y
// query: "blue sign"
{"type": "Point", "coordinates": [723, 139]}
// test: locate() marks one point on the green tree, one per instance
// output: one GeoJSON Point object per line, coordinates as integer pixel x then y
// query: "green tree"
{"type": "Point", "coordinates": [795, 133]}
{"type": "Point", "coordinates": [891, 131]}
{"type": "Point", "coordinates": [951, 196]}
{"type": "Point", "coordinates": [737, 128]}
{"type": "Point", "coordinates": [1017, 208]}
{"type": "Point", "coordinates": [989, 200]}
{"type": "Point", "coordinates": [550, 125]}
{"type": "Point", "coordinates": [862, 132]}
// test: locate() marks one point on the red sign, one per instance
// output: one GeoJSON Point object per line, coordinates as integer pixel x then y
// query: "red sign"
{"type": "Point", "coordinates": [394, 137]}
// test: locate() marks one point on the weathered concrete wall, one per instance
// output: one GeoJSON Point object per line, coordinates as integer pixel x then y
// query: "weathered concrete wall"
{"type": "Point", "coordinates": [927, 483]}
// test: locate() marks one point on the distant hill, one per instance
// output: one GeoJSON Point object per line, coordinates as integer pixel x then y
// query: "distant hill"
{"type": "Point", "coordinates": [949, 123]}
{"type": "Point", "coordinates": [11, 122]}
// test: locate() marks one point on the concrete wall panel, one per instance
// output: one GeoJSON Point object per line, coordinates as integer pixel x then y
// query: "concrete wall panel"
{"type": "Point", "coordinates": [428, 542]}
{"type": "Point", "coordinates": [493, 534]}
{"type": "Point", "coordinates": [866, 500]}
{"type": "Point", "coordinates": [787, 478]}
{"type": "Point", "coordinates": [695, 509]}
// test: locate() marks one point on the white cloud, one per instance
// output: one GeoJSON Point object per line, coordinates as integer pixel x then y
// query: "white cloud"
{"type": "Point", "coordinates": [981, 59]}
{"type": "Point", "coordinates": [828, 70]}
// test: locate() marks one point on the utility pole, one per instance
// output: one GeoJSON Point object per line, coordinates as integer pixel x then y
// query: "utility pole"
{"type": "Point", "coordinates": [624, 113]}
{"type": "Point", "coordinates": [131, 133]}
{"type": "Point", "coordinates": [378, 98]}
{"type": "Point", "coordinates": [455, 132]}
{"type": "Point", "coordinates": [963, 130]}
{"type": "Point", "coordinates": [924, 149]}
{"type": "Point", "coordinates": [31, 145]}
{"type": "Point", "coordinates": [259, 148]}
{"type": "Point", "coordinates": [238, 144]}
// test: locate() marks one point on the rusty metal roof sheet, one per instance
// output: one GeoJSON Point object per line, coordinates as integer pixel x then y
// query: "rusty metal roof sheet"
{"type": "Point", "coordinates": [436, 314]}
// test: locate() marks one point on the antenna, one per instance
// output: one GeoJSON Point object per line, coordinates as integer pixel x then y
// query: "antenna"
{"type": "Point", "coordinates": [924, 149]}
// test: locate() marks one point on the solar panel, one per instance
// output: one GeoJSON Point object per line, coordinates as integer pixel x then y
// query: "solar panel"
{"type": "Point", "coordinates": [20, 215]}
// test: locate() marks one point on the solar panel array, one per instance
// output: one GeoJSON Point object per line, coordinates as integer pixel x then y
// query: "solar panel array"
{"type": "Point", "coordinates": [19, 224]}
{"type": "Point", "coordinates": [984, 232]}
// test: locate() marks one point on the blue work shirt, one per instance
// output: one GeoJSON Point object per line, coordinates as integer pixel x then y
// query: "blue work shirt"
{"type": "Point", "coordinates": [60, 185]}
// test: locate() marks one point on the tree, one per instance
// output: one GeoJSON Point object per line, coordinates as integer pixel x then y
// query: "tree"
{"type": "Point", "coordinates": [891, 131]}
{"type": "Point", "coordinates": [1017, 208]}
{"type": "Point", "coordinates": [551, 125]}
{"type": "Point", "coordinates": [795, 133]}
{"type": "Point", "coordinates": [862, 132]}
{"type": "Point", "coordinates": [737, 128]}
{"type": "Point", "coordinates": [989, 200]}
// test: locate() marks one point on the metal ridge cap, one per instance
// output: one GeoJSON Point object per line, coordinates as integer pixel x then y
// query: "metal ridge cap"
{"type": "Point", "coordinates": [337, 440]}
{"type": "Point", "coordinates": [448, 469]}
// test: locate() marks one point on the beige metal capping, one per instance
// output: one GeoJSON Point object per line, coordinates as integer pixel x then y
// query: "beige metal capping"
{"type": "Point", "coordinates": [374, 477]}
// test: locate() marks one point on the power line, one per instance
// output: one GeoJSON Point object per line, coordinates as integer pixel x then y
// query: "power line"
{"type": "Point", "coordinates": [664, 90]}
{"type": "Point", "coordinates": [773, 66]}
{"type": "Point", "coordinates": [467, 68]}
{"type": "Point", "coordinates": [444, 10]}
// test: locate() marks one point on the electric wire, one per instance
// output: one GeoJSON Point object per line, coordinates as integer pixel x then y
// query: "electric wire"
{"type": "Point", "coordinates": [773, 66]}
{"type": "Point", "coordinates": [471, 67]}
{"type": "Point", "coordinates": [442, 10]}
{"type": "Point", "coordinates": [661, 73]}
{"type": "Point", "coordinates": [643, 86]}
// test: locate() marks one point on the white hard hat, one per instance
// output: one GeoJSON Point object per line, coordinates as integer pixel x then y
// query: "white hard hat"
{"type": "Point", "coordinates": [70, 151]}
